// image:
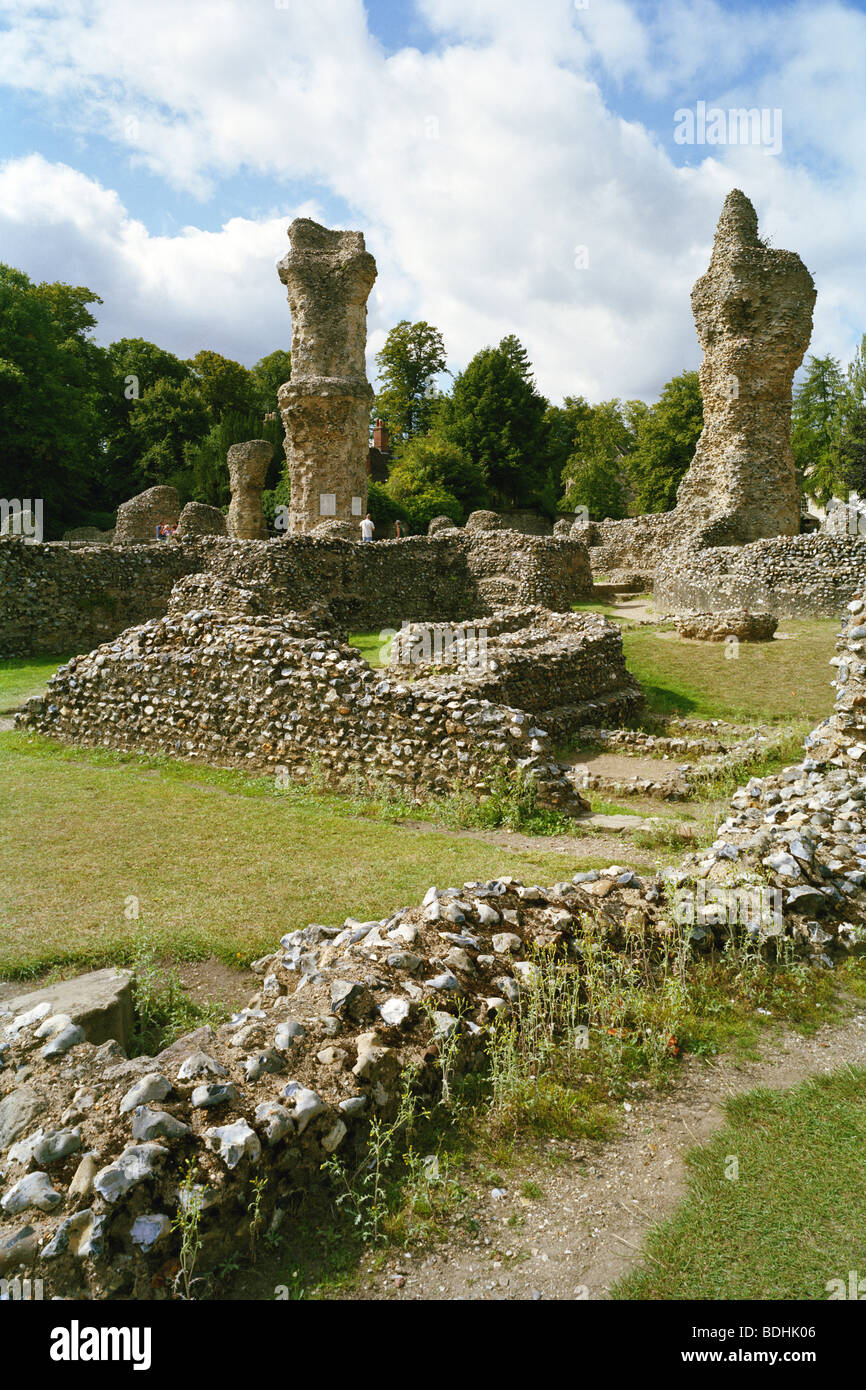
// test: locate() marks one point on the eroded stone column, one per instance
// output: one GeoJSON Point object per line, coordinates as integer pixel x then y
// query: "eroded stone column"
{"type": "Point", "coordinates": [248, 469]}
{"type": "Point", "coordinates": [753, 312]}
{"type": "Point", "coordinates": [326, 405]}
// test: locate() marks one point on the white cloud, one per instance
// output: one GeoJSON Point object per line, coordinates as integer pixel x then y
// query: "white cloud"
{"type": "Point", "coordinates": [475, 169]}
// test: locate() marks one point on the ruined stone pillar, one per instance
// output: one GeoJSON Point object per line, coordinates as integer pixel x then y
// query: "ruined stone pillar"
{"type": "Point", "coordinates": [753, 312]}
{"type": "Point", "coordinates": [326, 405]}
{"type": "Point", "coordinates": [248, 468]}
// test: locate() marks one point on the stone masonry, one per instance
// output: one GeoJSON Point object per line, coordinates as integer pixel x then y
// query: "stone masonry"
{"type": "Point", "coordinates": [326, 404]}
{"type": "Point", "coordinates": [248, 467]}
{"type": "Point", "coordinates": [138, 518]}
{"type": "Point", "coordinates": [753, 314]}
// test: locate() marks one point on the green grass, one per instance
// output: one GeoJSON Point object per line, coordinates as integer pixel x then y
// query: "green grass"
{"type": "Point", "coordinates": [769, 682]}
{"type": "Point", "coordinates": [371, 647]}
{"type": "Point", "coordinates": [221, 863]}
{"type": "Point", "coordinates": [794, 1217]}
{"type": "Point", "coordinates": [24, 677]}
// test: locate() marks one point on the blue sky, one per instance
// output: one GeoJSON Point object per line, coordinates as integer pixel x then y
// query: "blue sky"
{"type": "Point", "coordinates": [513, 167]}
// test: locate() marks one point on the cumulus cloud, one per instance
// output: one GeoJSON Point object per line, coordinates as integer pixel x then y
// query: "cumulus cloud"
{"type": "Point", "coordinates": [496, 183]}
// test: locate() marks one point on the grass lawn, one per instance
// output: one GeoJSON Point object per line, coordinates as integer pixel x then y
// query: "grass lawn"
{"type": "Point", "coordinates": [222, 863]}
{"type": "Point", "coordinates": [20, 678]}
{"type": "Point", "coordinates": [371, 647]}
{"type": "Point", "coordinates": [768, 682]}
{"type": "Point", "coordinates": [792, 1220]}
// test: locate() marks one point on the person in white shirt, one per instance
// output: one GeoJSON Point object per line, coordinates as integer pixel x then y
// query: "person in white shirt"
{"type": "Point", "coordinates": [367, 528]}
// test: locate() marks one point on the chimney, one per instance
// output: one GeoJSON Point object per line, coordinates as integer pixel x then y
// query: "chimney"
{"type": "Point", "coordinates": [380, 436]}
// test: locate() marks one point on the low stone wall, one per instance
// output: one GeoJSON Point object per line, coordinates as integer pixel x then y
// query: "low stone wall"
{"type": "Point", "coordinates": [285, 694]}
{"type": "Point", "coordinates": [94, 1146]}
{"type": "Point", "coordinates": [718, 627]}
{"type": "Point", "coordinates": [793, 576]}
{"type": "Point", "coordinates": [566, 669]}
{"type": "Point", "coordinates": [55, 597]}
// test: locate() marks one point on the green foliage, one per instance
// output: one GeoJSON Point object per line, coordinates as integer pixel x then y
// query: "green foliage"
{"type": "Point", "coordinates": [225, 387]}
{"type": "Point", "coordinates": [828, 426]}
{"type": "Point", "coordinates": [274, 497]}
{"type": "Point", "coordinates": [52, 379]}
{"type": "Point", "coordinates": [163, 1009]}
{"type": "Point", "coordinates": [382, 506]}
{"type": "Point", "coordinates": [594, 474]}
{"type": "Point", "coordinates": [413, 355]}
{"type": "Point", "coordinates": [419, 508]}
{"type": "Point", "coordinates": [163, 424]}
{"type": "Point", "coordinates": [269, 374]}
{"type": "Point", "coordinates": [816, 427]}
{"type": "Point", "coordinates": [430, 464]}
{"type": "Point", "coordinates": [205, 467]}
{"type": "Point", "coordinates": [665, 439]}
{"type": "Point", "coordinates": [496, 416]}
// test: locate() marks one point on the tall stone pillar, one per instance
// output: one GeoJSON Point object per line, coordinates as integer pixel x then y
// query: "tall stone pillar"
{"type": "Point", "coordinates": [326, 405]}
{"type": "Point", "coordinates": [753, 312]}
{"type": "Point", "coordinates": [248, 469]}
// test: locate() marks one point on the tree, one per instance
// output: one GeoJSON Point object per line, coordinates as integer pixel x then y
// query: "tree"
{"type": "Point", "coordinates": [225, 387]}
{"type": "Point", "coordinates": [665, 439]}
{"type": "Point", "coordinates": [413, 355]}
{"type": "Point", "coordinates": [135, 368]}
{"type": "Point", "coordinates": [594, 475]}
{"type": "Point", "coordinates": [52, 376]}
{"type": "Point", "coordinates": [817, 419]}
{"type": "Point", "coordinates": [496, 416]}
{"type": "Point", "coordinates": [268, 375]}
{"type": "Point", "coordinates": [166, 420]}
{"type": "Point", "coordinates": [854, 432]}
{"type": "Point", "coordinates": [430, 463]}
{"type": "Point", "coordinates": [205, 471]}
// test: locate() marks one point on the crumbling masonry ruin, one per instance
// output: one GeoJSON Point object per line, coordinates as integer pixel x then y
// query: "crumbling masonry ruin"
{"type": "Point", "coordinates": [753, 314]}
{"type": "Point", "coordinates": [326, 404]}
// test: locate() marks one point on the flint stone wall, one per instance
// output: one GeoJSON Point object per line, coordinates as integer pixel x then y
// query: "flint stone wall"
{"type": "Point", "coordinates": [286, 692]}
{"type": "Point", "coordinates": [56, 598]}
{"type": "Point", "coordinates": [566, 669]}
{"type": "Point", "coordinates": [793, 576]}
{"type": "Point", "coordinates": [717, 627]}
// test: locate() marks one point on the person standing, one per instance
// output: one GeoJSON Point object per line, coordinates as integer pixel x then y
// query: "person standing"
{"type": "Point", "coordinates": [367, 528]}
{"type": "Point", "coordinates": [398, 529]}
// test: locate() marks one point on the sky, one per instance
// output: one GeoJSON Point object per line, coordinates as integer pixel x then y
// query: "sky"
{"type": "Point", "coordinates": [533, 168]}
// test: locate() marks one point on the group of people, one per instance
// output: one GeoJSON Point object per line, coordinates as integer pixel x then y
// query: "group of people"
{"type": "Point", "coordinates": [165, 530]}
{"type": "Point", "coordinates": [368, 527]}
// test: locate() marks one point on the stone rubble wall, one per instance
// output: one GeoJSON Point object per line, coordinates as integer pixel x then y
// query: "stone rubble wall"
{"type": "Point", "coordinates": [58, 598]}
{"type": "Point", "coordinates": [793, 576]}
{"type": "Point", "coordinates": [55, 597]}
{"type": "Point", "coordinates": [734, 622]}
{"type": "Point", "coordinates": [93, 1144]}
{"type": "Point", "coordinates": [285, 693]}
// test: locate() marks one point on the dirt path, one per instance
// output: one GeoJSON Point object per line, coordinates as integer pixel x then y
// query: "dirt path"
{"type": "Point", "coordinates": [587, 1230]}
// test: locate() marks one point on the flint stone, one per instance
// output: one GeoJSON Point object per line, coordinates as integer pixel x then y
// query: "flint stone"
{"type": "Point", "coordinates": [33, 1190]}
{"type": "Point", "coordinates": [151, 1087]}
{"type": "Point", "coordinates": [212, 1094]}
{"type": "Point", "coordinates": [157, 1124]}
{"type": "Point", "coordinates": [100, 1003]}
{"type": "Point", "coordinates": [200, 1064]}
{"type": "Point", "coordinates": [234, 1142]}
{"type": "Point", "coordinates": [148, 1230]}
{"type": "Point", "coordinates": [136, 1164]}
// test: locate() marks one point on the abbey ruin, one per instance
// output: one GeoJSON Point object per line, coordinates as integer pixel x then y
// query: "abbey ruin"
{"type": "Point", "coordinates": [229, 647]}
